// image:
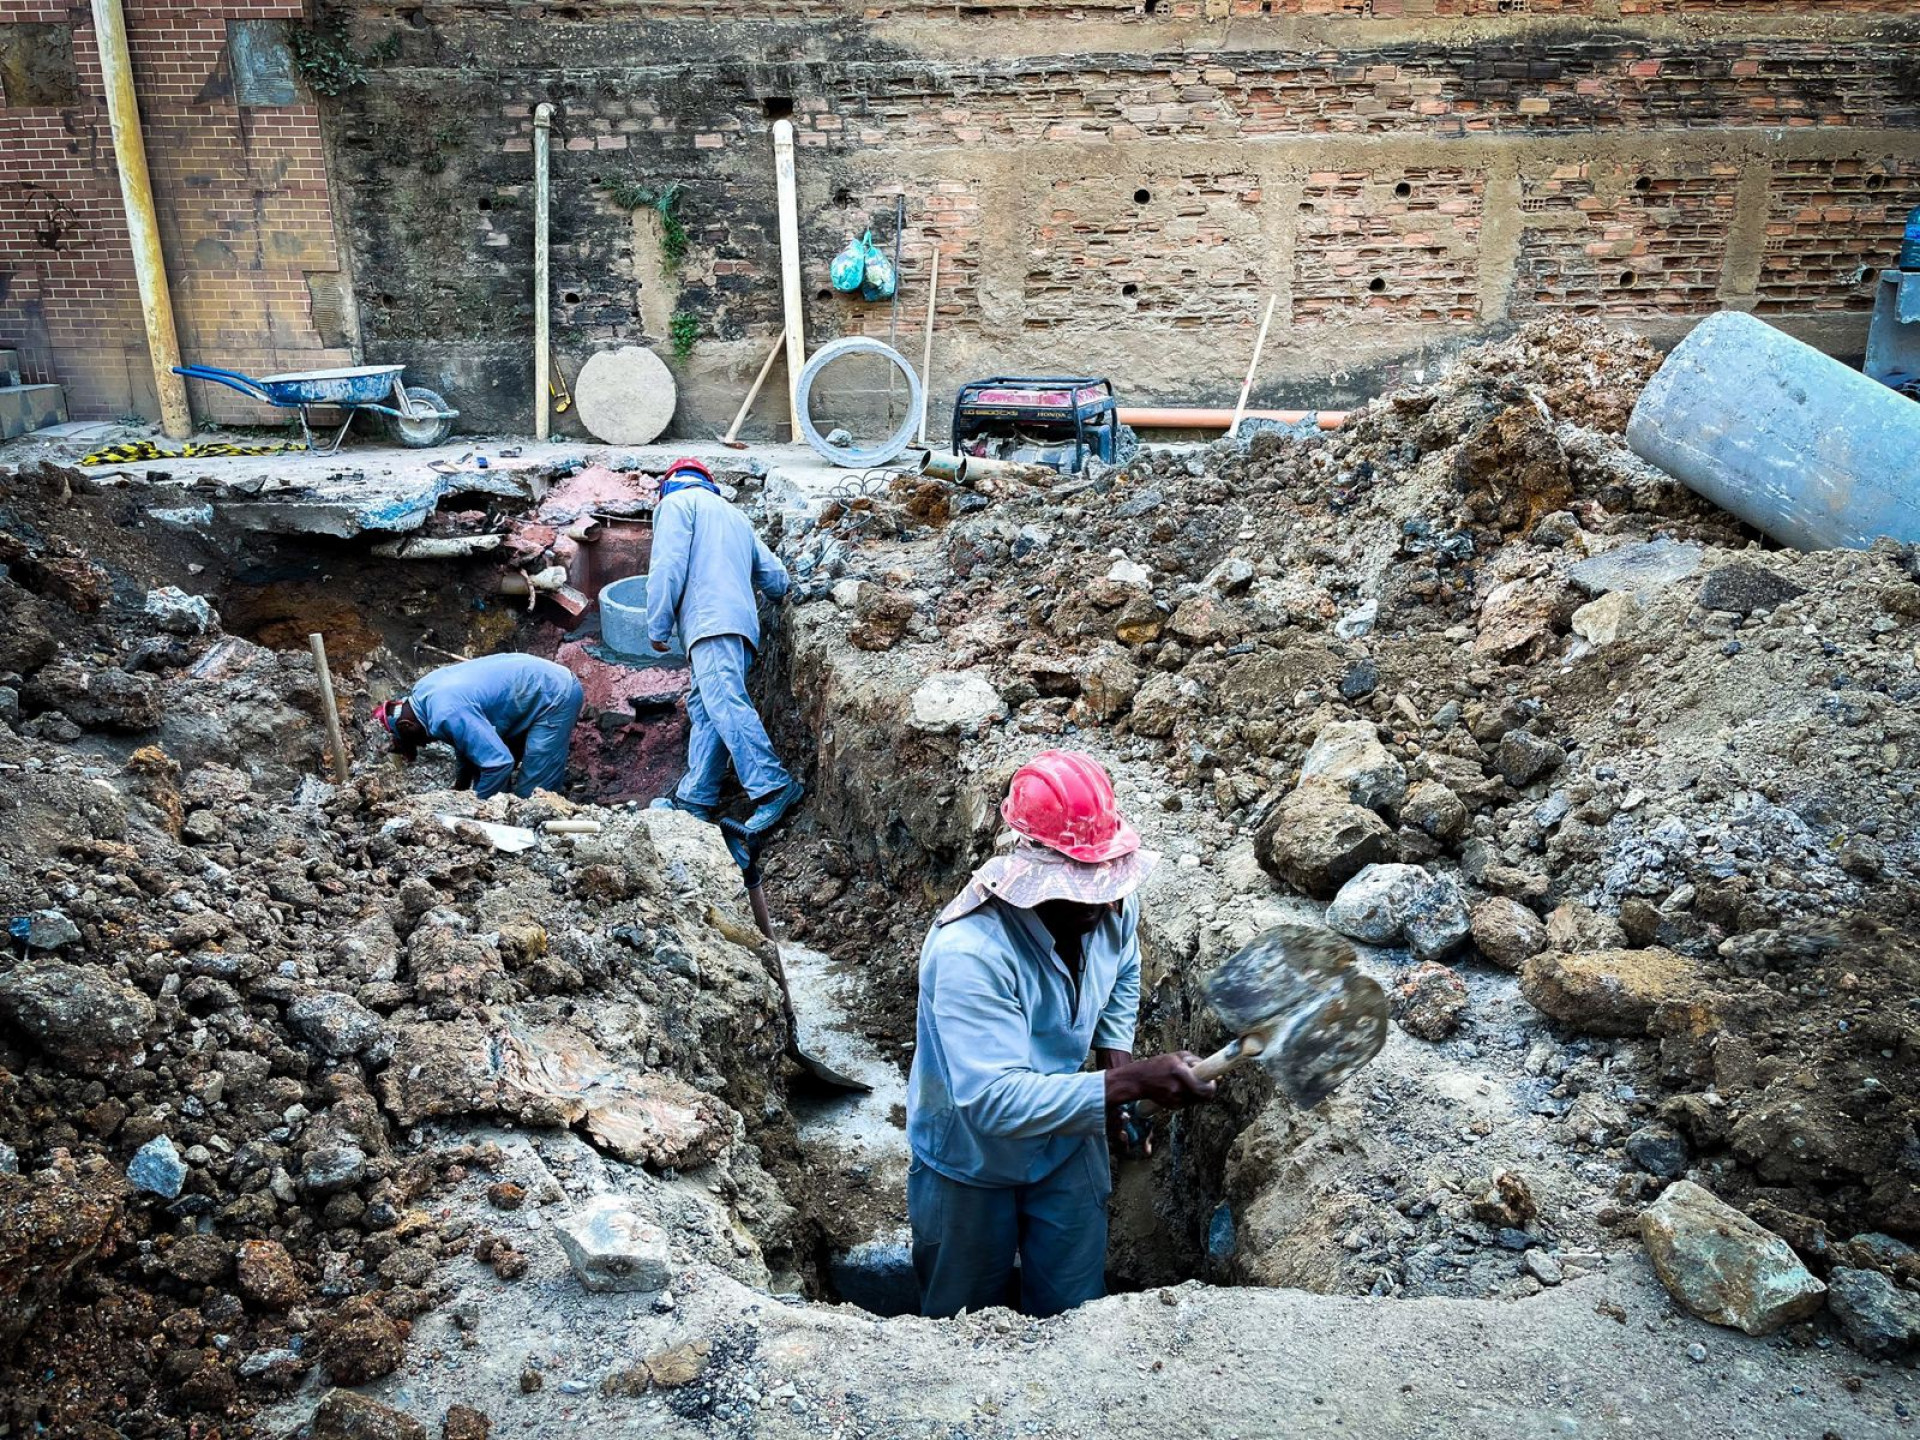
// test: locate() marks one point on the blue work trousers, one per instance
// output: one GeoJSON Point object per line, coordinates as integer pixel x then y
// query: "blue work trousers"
{"type": "Point", "coordinates": [724, 724]}
{"type": "Point", "coordinates": [965, 1237]}
{"type": "Point", "coordinates": [539, 755]}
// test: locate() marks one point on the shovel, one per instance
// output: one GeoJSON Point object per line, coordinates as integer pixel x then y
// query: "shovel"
{"type": "Point", "coordinates": [1298, 1004]}
{"type": "Point", "coordinates": [746, 854]}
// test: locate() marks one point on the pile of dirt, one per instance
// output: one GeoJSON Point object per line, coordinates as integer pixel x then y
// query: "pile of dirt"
{"type": "Point", "coordinates": [1624, 736]}
{"type": "Point", "coordinates": [247, 1019]}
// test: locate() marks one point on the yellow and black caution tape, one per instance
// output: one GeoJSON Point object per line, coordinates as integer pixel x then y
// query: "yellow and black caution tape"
{"type": "Point", "coordinates": [148, 450]}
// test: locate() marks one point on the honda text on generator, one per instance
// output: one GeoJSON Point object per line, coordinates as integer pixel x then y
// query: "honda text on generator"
{"type": "Point", "coordinates": [1060, 421]}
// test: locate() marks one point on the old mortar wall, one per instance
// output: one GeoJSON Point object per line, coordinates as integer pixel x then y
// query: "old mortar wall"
{"type": "Point", "coordinates": [245, 214]}
{"type": "Point", "coordinates": [1118, 187]}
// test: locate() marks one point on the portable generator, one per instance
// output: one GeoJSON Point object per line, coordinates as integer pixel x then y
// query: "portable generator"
{"type": "Point", "coordinates": [1060, 421]}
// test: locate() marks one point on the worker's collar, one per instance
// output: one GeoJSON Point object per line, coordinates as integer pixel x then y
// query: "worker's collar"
{"type": "Point", "coordinates": [686, 480]}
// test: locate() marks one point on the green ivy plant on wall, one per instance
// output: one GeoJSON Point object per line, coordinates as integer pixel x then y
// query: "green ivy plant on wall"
{"type": "Point", "coordinates": [632, 195]}
{"type": "Point", "coordinates": [684, 329]}
{"type": "Point", "coordinates": [323, 53]}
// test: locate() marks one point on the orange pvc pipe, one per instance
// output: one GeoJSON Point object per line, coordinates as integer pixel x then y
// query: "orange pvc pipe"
{"type": "Point", "coordinates": [1174, 417]}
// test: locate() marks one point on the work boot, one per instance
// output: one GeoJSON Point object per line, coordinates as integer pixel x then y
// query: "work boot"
{"type": "Point", "coordinates": [770, 810]}
{"type": "Point", "coordinates": [674, 802]}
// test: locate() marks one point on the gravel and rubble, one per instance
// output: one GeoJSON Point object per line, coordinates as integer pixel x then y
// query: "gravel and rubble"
{"type": "Point", "coordinates": [301, 1083]}
{"type": "Point", "coordinates": [1511, 700]}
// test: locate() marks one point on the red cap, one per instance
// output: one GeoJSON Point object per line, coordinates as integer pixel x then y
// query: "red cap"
{"type": "Point", "coordinates": [387, 712]}
{"type": "Point", "coordinates": [1065, 801]}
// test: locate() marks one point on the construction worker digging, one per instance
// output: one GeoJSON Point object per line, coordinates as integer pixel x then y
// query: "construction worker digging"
{"type": "Point", "coordinates": [499, 713]}
{"type": "Point", "coordinates": [1033, 965]}
{"type": "Point", "coordinates": [707, 563]}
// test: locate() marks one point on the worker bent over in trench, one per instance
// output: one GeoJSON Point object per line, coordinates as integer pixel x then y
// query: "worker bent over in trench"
{"type": "Point", "coordinates": [499, 713]}
{"type": "Point", "coordinates": [1034, 964]}
{"type": "Point", "coordinates": [706, 565]}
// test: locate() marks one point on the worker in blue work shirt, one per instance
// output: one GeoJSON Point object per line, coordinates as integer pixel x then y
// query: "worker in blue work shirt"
{"type": "Point", "coordinates": [499, 713]}
{"type": "Point", "coordinates": [1034, 965]}
{"type": "Point", "coordinates": [707, 563]}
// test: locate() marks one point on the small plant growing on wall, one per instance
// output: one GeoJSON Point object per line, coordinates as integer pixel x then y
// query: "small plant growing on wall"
{"type": "Point", "coordinates": [683, 329]}
{"type": "Point", "coordinates": [632, 195]}
{"type": "Point", "coordinates": [324, 54]}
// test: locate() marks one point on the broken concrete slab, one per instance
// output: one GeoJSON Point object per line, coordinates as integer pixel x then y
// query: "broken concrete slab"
{"type": "Point", "coordinates": [1640, 568]}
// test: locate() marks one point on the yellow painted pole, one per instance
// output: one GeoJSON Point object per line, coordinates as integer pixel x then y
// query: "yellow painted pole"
{"type": "Point", "coordinates": [136, 190]}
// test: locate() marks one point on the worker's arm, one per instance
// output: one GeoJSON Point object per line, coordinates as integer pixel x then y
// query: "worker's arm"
{"type": "Point", "coordinates": [1121, 1013]}
{"type": "Point", "coordinates": [769, 575]}
{"type": "Point", "coordinates": [985, 1037]}
{"type": "Point", "coordinates": [479, 745]}
{"type": "Point", "coordinates": [667, 568]}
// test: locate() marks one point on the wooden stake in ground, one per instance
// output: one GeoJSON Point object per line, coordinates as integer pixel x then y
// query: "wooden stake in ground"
{"type": "Point", "coordinates": [926, 348]}
{"type": "Point", "coordinates": [328, 708]}
{"type": "Point", "coordinates": [1240, 410]}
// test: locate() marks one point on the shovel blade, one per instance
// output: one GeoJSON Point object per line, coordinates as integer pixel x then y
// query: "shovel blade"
{"type": "Point", "coordinates": [1319, 1018]}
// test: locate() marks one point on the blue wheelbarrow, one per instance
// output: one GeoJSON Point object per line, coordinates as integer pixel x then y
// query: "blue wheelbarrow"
{"type": "Point", "coordinates": [417, 417]}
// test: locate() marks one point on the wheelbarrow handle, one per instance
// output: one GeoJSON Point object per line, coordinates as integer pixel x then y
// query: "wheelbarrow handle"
{"type": "Point", "coordinates": [232, 379]}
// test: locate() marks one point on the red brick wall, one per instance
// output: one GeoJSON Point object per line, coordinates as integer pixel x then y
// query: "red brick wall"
{"type": "Point", "coordinates": [244, 213]}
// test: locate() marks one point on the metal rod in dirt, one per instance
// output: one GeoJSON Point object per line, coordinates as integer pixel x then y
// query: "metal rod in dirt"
{"type": "Point", "coordinates": [926, 346]}
{"type": "Point", "coordinates": [1246, 388]}
{"type": "Point", "coordinates": [328, 709]}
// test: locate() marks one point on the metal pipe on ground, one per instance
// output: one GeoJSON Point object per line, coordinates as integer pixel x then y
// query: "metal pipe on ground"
{"type": "Point", "coordinates": [1176, 417]}
{"type": "Point", "coordinates": [1796, 444]}
{"type": "Point", "coordinates": [143, 227]}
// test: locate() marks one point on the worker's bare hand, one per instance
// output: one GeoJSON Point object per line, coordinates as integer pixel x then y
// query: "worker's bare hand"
{"type": "Point", "coordinates": [1167, 1080]}
{"type": "Point", "coordinates": [662, 646]}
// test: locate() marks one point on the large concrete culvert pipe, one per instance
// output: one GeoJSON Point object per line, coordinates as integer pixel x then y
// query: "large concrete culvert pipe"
{"type": "Point", "coordinates": [1796, 444]}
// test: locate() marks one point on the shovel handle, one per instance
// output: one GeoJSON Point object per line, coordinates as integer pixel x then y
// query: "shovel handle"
{"type": "Point", "coordinates": [1211, 1068]}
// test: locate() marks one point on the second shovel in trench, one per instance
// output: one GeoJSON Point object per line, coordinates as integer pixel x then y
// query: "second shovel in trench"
{"type": "Point", "coordinates": [745, 849]}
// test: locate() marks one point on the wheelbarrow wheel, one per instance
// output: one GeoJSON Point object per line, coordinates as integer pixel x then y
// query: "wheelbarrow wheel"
{"type": "Point", "coordinates": [429, 429]}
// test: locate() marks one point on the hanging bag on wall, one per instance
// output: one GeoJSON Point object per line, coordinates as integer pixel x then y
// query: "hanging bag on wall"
{"type": "Point", "coordinates": [849, 270]}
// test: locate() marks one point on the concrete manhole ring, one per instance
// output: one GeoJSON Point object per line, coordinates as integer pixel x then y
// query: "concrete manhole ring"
{"type": "Point", "coordinates": [855, 457]}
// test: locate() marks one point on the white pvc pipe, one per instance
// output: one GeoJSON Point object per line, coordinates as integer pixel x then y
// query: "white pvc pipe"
{"type": "Point", "coordinates": [788, 190]}
{"type": "Point", "coordinates": [542, 341]}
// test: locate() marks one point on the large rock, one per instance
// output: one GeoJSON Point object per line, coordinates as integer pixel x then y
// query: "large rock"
{"type": "Point", "coordinates": [1348, 756]}
{"type": "Point", "coordinates": [1880, 1319]}
{"type": "Point", "coordinates": [180, 613]}
{"type": "Point", "coordinates": [1316, 840]}
{"type": "Point", "coordinates": [360, 1342]}
{"type": "Point", "coordinates": [334, 1024]}
{"type": "Point", "coordinates": [1607, 992]}
{"type": "Point", "coordinates": [156, 1167]}
{"type": "Point", "coordinates": [1612, 617]}
{"type": "Point", "coordinates": [1742, 588]}
{"type": "Point", "coordinates": [955, 704]}
{"type": "Point", "coordinates": [267, 1276]}
{"type": "Point", "coordinates": [1387, 904]}
{"type": "Point", "coordinates": [1432, 807]}
{"type": "Point", "coordinates": [81, 1015]}
{"type": "Point", "coordinates": [1507, 932]}
{"type": "Point", "coordinates": [1518, 620]}
{"type": "Point", "coordinates": [1523, 757]}
{"type": "Point", "coordinates": [657, 1120]}
{"type": "Point", "coordinates": [344, 1415]}
{"type": "Point", "coordinates": [1641, 568]}
{"type": "Point", "coordinates": [107, 698]}
{"type": "Point", "coordinates": [52, 1226]}
{"type": "Point", "coordinates": [1428, 1001]}
{"type": "Point", "coordinates": [612, 1246]}
{"type": "Point", "coordinates": [1723, 1267]}
{"type": "Point", "coordinates": [1107, 685]}
{"type": "Point", "coordinates": [1158, 705]}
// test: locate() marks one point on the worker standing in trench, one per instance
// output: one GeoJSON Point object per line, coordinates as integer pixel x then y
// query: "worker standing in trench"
{"type": "Point", "coordinates": [706, 565]}
{"type": "Point", "coordinates": [1034, 964]}
{"type": "Point", "coordinates": [499, 713]}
